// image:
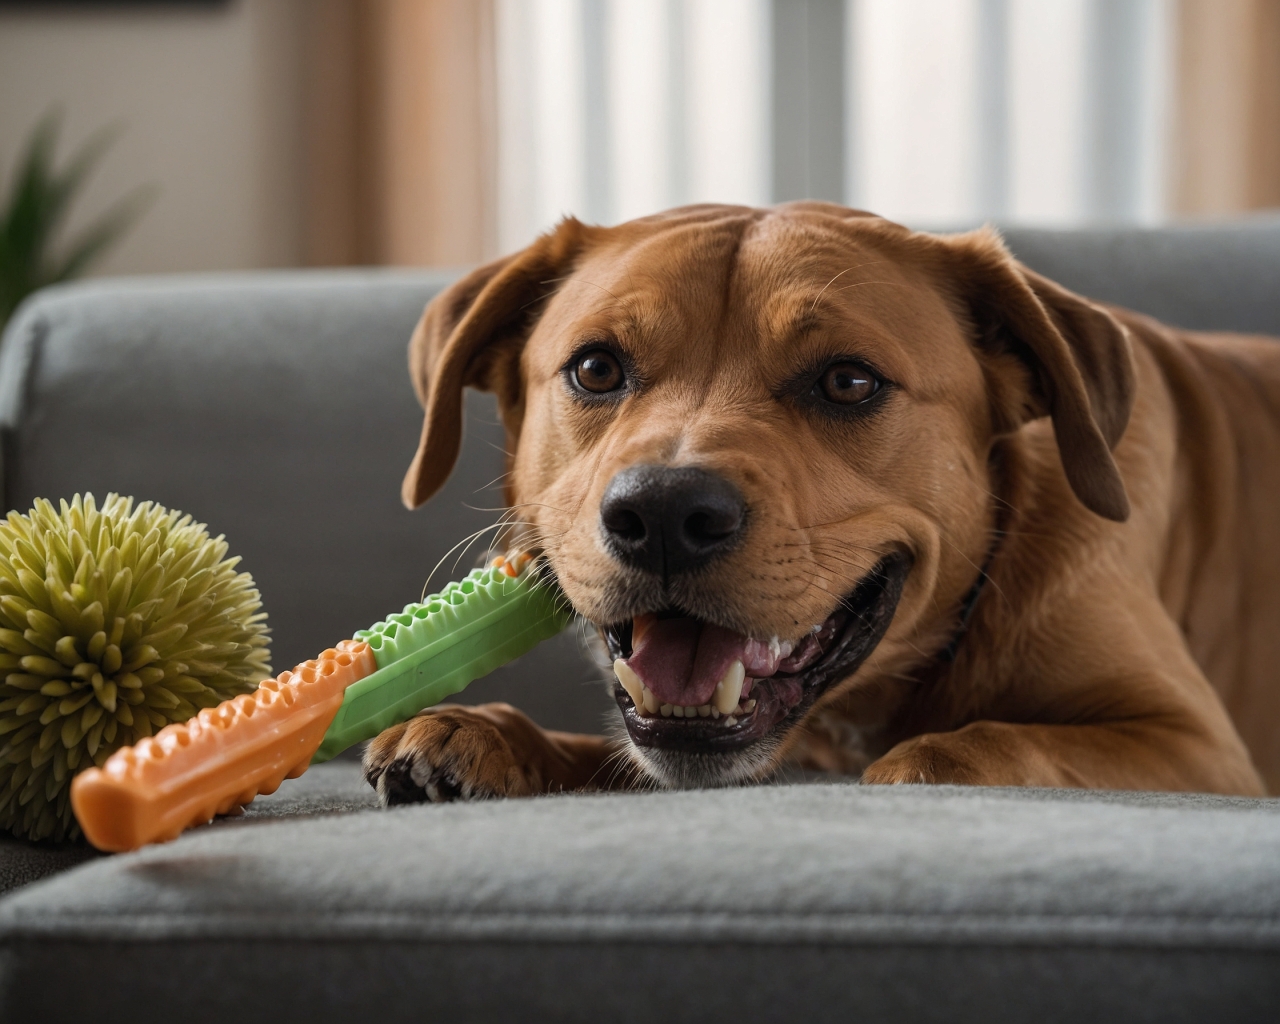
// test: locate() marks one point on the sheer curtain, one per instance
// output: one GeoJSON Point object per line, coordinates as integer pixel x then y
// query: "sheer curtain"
{"type": "Point", "coordinates": [932, 111]}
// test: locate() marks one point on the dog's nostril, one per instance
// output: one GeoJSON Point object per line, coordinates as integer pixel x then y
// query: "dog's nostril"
{"type": "Point", "coordinates": [624, 524]}
{"type": "Point", "coordinates": [712, 525]}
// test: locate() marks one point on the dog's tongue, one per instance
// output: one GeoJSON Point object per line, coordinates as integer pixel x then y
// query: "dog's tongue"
{"type": "Point", "coordinates": [682, 659]}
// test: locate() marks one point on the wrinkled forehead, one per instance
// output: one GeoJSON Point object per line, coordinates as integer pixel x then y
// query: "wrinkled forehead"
{"type": "Point", "coordinates": [794, 275]}
{"type": "Point", "coordinates": [676, 274]}
{"type": "Point", "coordinates": [759, 283]}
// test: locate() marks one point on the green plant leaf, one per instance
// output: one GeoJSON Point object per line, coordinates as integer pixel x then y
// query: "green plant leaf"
{"type": "Point", "coordinates": [38, 202]}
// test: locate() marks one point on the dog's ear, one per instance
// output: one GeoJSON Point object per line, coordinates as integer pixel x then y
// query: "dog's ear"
{"type": "Point", "coordinates": [472, 335]}
{"type": "Point", "coordinates": [1079, 360]}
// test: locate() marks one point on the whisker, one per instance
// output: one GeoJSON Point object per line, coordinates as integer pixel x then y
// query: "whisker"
{"type": "Point", "coordinates": [519, 504]}
{"type": "Point", "coordinates": [468, 541]}
{"type": "Point", "coordinates": [857, 266]}
{"type": "Point", "coordinates": [499, 448]}
{"type": "Point", "coordinates": [496, 479]}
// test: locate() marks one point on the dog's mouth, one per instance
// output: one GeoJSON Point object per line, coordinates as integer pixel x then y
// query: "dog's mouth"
{"type": "Point", "coordinates": [687, 684]}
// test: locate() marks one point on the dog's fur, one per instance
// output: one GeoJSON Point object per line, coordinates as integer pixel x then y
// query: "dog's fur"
{"type": "Point", "coordinates": [1119, 480]}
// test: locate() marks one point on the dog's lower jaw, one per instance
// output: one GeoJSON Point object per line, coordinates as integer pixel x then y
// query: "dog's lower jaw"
{"type": "Point", "coordinates": [675, 766]}
{"type": "Point", "coordinates": [682, 769]}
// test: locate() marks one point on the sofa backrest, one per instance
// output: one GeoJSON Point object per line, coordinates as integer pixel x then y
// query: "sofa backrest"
{"type": "Point", "coordinates": [1208, 277]}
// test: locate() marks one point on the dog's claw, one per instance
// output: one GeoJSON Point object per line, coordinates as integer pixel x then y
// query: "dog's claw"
{"type": "Point", "coordinates": [445, 754]}
{"type": "Point", "coordinates": [395, 784]}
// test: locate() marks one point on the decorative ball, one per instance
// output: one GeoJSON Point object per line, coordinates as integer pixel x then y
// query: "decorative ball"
{"type": "Point", "coordinates": [114, 622]}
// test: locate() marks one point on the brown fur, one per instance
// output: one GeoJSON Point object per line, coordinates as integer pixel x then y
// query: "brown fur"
{"type": "Point", "coordinates": [1120, 479]}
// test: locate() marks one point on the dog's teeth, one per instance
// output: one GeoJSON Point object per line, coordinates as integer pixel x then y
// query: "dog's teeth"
{"type": "Point", "coordinates": [666, 710]}
{"type": "Point", "coordinates": [650, 701]}
{"type": "Point", "coordinates": [715, 711]}
{"type": "Point", "coordinates": [677, 710]}
{"type": "Point", "coordinates": [729, 689]}
{"type": "Point", "coordinates": [731, 720]}
{"type": "Point", "coordinates": [749, 706]}
{"type": "Point", "coordinates": [704, 710]}
{"type": "Point", "coordinates": [630, 682]}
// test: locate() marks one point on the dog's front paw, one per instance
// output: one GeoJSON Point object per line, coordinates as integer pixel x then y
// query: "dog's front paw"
{"type": "Point", "coordinates": [922, 761]}
{"type": "Point", "coordinates": [451, 752]}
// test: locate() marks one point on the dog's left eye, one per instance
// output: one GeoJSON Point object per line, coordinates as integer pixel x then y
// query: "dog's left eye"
{"type": "Point", "coordinates": [846, 384]}
{"type": "Point", "coordinates": [599, 371]}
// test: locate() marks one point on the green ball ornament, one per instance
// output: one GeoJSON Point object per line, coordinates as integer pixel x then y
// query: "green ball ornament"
{"type": "Point", "coordinates": [114, 622]}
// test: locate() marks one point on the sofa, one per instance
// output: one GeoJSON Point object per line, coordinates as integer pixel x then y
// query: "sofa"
{"type": "Point", "coordinates": [276, 408]}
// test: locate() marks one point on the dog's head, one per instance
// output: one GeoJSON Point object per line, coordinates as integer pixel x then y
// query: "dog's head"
{"type": "Point", "coordinates": [755, 446]}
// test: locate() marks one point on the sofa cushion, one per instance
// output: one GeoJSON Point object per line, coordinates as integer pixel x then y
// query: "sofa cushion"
{"type": "Point", "coordinates": [811, 902]}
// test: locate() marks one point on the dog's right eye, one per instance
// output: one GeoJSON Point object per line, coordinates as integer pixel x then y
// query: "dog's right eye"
{"type": "Point", "coordinates": [599, 372]}
{"type": "Point", "coordinates": [846, 384]}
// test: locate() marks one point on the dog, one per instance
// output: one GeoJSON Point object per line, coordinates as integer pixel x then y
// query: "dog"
{"type": "Point", "coordinates": [840, 495]}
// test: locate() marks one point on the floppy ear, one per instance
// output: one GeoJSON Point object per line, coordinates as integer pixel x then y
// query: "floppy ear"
{"type": "Point", "coordinates": [472, 335]}
{"type": "Point", "coordinates": [1079, 358]}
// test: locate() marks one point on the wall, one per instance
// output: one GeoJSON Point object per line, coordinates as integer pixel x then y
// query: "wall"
{"type": "Point", "coordinates": [209, 101]}
{"type": "Point", "coordinates": [445, 131]}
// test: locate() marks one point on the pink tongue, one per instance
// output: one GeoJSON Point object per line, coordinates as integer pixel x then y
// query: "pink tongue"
{"type": "Point", "coordinates": [681, 660]}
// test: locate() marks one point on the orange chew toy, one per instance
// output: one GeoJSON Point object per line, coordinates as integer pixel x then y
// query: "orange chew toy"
{"type": "Point", "coordinates": [220, 759]}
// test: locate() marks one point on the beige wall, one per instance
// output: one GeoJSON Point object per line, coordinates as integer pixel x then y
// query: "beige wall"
{"type": "Point", "coordinates": [283, 132]}
{"type": "Point", "coordinates": [210, 102]}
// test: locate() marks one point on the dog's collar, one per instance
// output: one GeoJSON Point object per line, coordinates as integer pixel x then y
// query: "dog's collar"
{"type": "Point", "coordinates": [971, 602]}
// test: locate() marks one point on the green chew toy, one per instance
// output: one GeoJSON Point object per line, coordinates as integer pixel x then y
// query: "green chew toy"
{"type": "Point", "coordinates": [436, 648]}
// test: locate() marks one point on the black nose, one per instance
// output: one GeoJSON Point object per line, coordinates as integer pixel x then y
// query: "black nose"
{"type": "Point", "coordinates": [670, 521]}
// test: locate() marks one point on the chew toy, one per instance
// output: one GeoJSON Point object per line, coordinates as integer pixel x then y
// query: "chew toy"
{"type": "Point", "coordinates": [114, 622]}
{"type": "Point", "coordinates": [225, 756]}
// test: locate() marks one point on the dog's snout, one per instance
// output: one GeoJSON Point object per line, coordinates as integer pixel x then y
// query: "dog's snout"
{"type": "Point", "coordinates": [668, 521]}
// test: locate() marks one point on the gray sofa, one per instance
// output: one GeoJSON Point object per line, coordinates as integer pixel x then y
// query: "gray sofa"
{"type": "Point", "coordinates": [276, 408]}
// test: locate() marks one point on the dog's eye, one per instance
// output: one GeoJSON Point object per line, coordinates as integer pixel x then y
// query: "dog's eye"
{"type": "Point", "coordinates": [847, 384]}
{"type": "Point", "coordinates": [599, 371]}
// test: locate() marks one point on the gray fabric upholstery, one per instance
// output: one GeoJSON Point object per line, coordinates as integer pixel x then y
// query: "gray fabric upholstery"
{"type": "Point", "coordinates": [1219, 277]}
{"type": "Point", "coordinates": [276, 408]}
{"type": "Point", "coordinates": [22, 863]}
{"type": "Point", "coordinates": [810, 902]}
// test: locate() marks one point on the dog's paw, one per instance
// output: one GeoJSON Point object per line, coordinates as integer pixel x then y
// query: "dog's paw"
{"type": "Point", "coordinates": [924, 760]}
{"type": "Point", "coordinates": [451, 752]}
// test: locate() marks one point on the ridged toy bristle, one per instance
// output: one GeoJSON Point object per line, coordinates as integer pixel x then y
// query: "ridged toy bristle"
{"type": "Point", "coordinates": [434, 648]}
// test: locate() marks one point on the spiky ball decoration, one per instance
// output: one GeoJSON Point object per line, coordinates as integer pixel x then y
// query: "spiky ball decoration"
{"type": "Point", "coordinates": [114, 622]}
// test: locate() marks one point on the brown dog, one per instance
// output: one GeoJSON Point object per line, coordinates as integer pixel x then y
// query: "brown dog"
{"type": "Point", "coordinates": [866, 500]}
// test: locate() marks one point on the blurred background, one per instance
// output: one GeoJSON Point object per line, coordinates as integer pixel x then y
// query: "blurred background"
{"type": "Point", "coordinates": [441, 132]}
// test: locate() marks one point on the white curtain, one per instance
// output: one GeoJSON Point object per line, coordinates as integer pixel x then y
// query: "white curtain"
{"type": "Point", "coordinates": [954, 111]}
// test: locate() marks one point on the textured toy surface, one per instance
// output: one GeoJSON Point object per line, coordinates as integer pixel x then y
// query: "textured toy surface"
{"type": "Point", "coordinates": [434, 649]}
{"type": "Point", "coordinates": [227, 755]}
{"type": "Point", "coordinates": [220, 759]}
{"type": "Point", "coordinates": [114, 622]}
